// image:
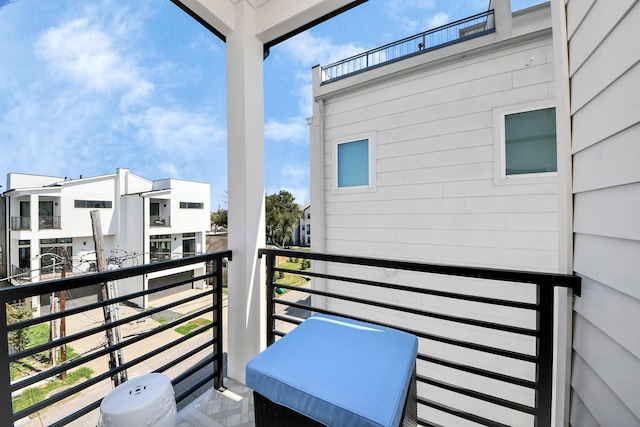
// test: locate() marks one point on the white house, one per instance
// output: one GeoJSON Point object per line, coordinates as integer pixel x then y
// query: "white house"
{"type": "Point", "coordinates": [302, 232]}
{"type": "Point", "coordinates": [410, 158]}
{"type": "Point", "coordinates": [142, 221]}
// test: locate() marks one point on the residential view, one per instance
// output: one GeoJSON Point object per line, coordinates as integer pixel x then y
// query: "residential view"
{"type": "Point", "coordinates": [473, 198]}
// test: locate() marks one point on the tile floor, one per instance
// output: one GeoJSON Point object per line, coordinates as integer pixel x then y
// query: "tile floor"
{"type": "Point", "coordinates": [233, 407]}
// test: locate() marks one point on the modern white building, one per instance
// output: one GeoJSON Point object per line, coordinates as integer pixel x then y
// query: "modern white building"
{"type": "Point", "coordinates": [448, 155]}
{"type": "Point", "coordinates": [142, 221]}
{"type": "Point", "coordinates": [302, 232]}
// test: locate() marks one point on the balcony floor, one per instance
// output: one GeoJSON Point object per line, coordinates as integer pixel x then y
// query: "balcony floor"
{"type": "Point", "coordinates": [233, 407]}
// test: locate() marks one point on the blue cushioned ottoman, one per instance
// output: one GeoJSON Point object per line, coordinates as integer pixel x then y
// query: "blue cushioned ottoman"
{"type": "Point", "coordinates": [336, 372]}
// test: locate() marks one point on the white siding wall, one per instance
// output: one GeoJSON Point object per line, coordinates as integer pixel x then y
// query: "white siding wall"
{"type": "Point", "coordinates": [605, 92]}
{"type": "Point", "coordinates": [437, 198]}
{"type": "Point", "coordinates": [77, 221]}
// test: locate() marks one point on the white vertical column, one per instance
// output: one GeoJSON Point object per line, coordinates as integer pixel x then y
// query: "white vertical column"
{"type": "Point", "coordinates": [563, 314]}
{"type": "Point", "coordinates": [34, 217]}
{"type": "Point", "coordinates": [502, 14]}
{"type": "Point", "coordinates": [245, 136]}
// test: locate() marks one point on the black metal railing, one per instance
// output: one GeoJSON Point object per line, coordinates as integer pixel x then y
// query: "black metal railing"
{"type": "Point", "coordinates": [476, 327]}
{"type": "Point", "coordinates": [454, 32]}
{"type": "Point", "coordinates": [193, 360]}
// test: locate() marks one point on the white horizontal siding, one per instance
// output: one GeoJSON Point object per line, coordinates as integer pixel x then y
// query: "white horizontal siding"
{"type": "Point", "coordinates": [605, 85]}
{"type": "Point", "coordinates": [596, 26]}
{"type": "Point", "coordinates": [606, 64]}
{"type": "Point", "coordinates": [576, 12]}
{"type": "Point", "coordinates": [613, 212]}
{"type": "Point", "coordinates": [618, 155]}
{"type": "Point", "coordinates": [598, 349]}
{"type": "Point", "coordinates": [600, 400]}
{"type": "Point", "coordinates": [435, 197]}
{"type": "Point", "coordinates": [609, 113]}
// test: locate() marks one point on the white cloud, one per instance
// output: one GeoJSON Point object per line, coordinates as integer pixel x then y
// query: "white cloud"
{"type": "Point", "coordinates": [295, 172]}
{"type": "Point", "coordinates": [169, 169]}
{"type": "Point", "coordinates": [404, 12]}
{"type": "Point", "coordinates": [176, 131]}
{"type": "Point", "coordinates": [309, 50]}
{"type": "Point", "coordinates": [80, 51]}
{"type": "Point", "coordinates": [295, 129]}
{"type": "Point", "coordinates": [306, 100]}
{"type": "Point", "coordinates": [438, 20]}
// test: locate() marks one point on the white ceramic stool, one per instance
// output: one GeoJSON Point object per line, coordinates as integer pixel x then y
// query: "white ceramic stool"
{"type": "Point", "coordinates": [147, 400]}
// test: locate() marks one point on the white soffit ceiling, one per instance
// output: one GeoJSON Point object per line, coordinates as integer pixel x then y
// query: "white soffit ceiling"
{"type": "Point", "coordinates": [274, 19]}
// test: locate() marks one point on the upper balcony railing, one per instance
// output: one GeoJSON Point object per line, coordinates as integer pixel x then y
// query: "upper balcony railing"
{"type": "Point", "coordinates": [159, 221]}
{"type": "Point", "coordinates": [455, 32]}
{"type": "Point", "coordinates": [486, 336]}
{"type": "Point", "coordinates": [100, 326]}
{"type": "Point", "coordinates": [44, 222]}
{"type": "Point", "coordinates": [20, 223]}
{"type": "Point", "coordinates": [48, 222]}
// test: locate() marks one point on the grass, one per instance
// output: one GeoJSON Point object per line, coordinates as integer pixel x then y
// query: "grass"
{"type": "Point", "coordinates": [34, 395]}
{"type": "Point", "coordinates": [38, 335]}
{"type": "Point", "coordinates": [290, 278]}
{"type": "Point", "coordinates": [191, 326]}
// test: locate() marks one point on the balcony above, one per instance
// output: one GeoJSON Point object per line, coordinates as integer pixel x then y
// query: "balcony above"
{"type": "Point", "coordinates": [455, 32]}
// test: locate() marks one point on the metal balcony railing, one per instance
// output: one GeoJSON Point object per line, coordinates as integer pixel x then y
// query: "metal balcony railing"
{"type": "Point", "coordinates": [455, 32]}
{"type": "Point", "coordinates": [193, 360]}
{"type": "Point", "coordinates": [485, 335]}
{"type": "Point", "coordinates": [48, 222]}
{"type": "Point", "coordinates": [20, 223]}
{"type": "Point", "coordinates": [159, 221]}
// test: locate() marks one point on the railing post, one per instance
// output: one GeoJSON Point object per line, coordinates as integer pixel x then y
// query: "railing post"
{"type": "Point", "coordinates": [6, 404]}
{"type": "Point", "coordinates": [544, 396]}
{"type": "Point", "coordinates": [218, 350]}
{"type": "Point", "coordinates": [271, 324]}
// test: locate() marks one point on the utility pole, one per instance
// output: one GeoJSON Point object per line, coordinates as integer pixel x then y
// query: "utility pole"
{"type": "Point", "coordinates": [101, 261]}
{"type": "Point", "coordinates": [63, 320]}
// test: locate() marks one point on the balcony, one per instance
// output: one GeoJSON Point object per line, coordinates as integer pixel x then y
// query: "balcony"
{"type": "Point", "coordinates": [48, 222]}
{"type": "Point", "coordinates": [44, 222]}
{"type": "Point", "coordinates": [20, 223]}
{"type": "Point", "coordinates": [159, 221]}
{"type": "Point", "coordinates": [485, 336]}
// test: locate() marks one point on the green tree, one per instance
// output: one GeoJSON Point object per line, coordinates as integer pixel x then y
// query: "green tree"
{"type": "Point", "coordinates": [281, 216]}
{"type": "Point", "coordinates": [220, 217]}
{"type": "Point", "coordinates": [19, 338]}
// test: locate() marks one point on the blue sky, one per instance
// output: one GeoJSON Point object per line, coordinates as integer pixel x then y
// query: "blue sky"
{"type": "Point", "coordinates": [90, 86]}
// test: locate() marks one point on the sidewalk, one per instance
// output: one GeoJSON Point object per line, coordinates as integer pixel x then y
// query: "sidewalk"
{"type": "Point", "coordinates": [93, 318]}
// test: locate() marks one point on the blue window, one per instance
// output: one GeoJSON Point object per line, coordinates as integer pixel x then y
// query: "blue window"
{"type": "Point", "coordinates": [530, 142]}
{"type": "Point", "coordinates": [353, 164]}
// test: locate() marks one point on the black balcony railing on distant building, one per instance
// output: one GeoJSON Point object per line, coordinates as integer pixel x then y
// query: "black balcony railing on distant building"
{"type": "Point", "coordinates": [194, 359]}
{"type": "Point", "coordinates": [455, 32]}
{"type": "Point", "coordinates": [428, 309]}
